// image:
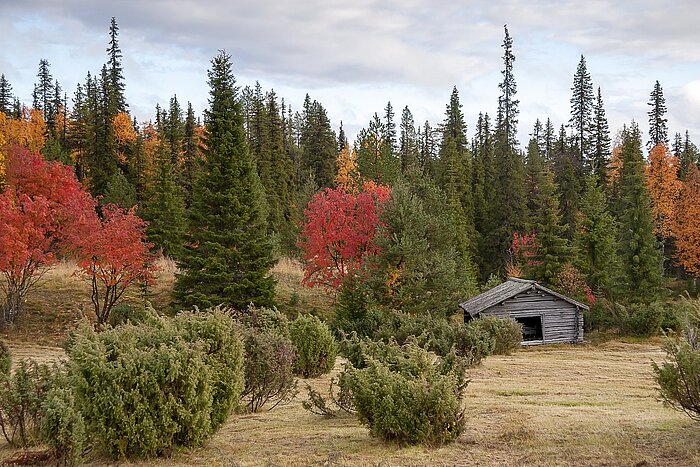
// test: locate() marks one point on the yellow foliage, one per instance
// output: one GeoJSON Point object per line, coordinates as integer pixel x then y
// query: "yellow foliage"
{"type": "Point", "coordinates": [29, 132]}
{"type": "Point", "coordinates": [664, 188]}
{"type": "Point", "coordinates": [348, 176]}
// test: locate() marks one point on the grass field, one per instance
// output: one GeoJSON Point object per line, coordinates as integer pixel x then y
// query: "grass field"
{"type": "Point", "coordinates": [552, 405]}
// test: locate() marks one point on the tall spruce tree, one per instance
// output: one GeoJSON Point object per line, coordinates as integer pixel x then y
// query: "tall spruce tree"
{"type": "Point", "coordinates": [689, 155]}
{"type": "Point", "coordinates": [595, 242]}
{"type": "Point", "coordinates": [552, 247]}
{"type": "Point", "coordinates": [115, 78]}
{"type": "Point", "coordinates": [658, 124]}
{"type": "Point", "coordinates": [317, 143]}
{"type": "Point", "coordinates": [581, 121]}
{"type": "Point", "coordinates": [601, 141]}
{"type": "Point", "coordinates": [229, 253]}
{"type": "Point", "coordinates": [390, 128]}
{"type": "Point", "coordinates": [507, 207]}
{"type": "Point", "coordinates": [641, 258]}
{"type": "Point", "coordinates": [6, 97]}
{"type": "Point", "coordinates": [191, 163]}
{"type": "Point", "coordinates": [408, 142]}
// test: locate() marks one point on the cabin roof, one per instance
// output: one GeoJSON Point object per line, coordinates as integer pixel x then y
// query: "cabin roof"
{"type": "Point", "coordinates": [509, 289]}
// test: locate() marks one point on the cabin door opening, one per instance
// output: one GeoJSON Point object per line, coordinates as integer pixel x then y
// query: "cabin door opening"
{"type": "Point", "coordinates": [532, 328]}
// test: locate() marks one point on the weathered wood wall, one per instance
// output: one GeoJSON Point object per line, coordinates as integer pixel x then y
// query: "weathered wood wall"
{"type": "Point", "coordinates": [561, 321]}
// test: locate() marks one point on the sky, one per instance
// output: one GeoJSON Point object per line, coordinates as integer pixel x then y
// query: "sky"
{"type": "Point", "coordinates": [355, 56]}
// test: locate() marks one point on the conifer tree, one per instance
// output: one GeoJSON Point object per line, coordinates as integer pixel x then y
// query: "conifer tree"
{"type": "Point", "coordinates": [601, 141]}
{"type": "Point", "coordinates": [552, 248]}
{"type": "Point", "coordinates": [507, 207]}
{"type": "Point", "coordinates": [640, 256]}
{"type": "Point", "coordinates": [689, 155]}
{"type": "Point", "coordinates": [428, 149]}
{"type": "Point", "coordinates": [658, 125]}
{"type": "Point", "coordinates": [5, 96]}
{"type": "Point", "coordinates": [569, 194]}
{"type": "Point", "coordinates": [115, 77]}
{"type": "Point", "coordinates": [535, 171]}
{"type": "Point", "coordinates": [482, 176]}
{"type": "Point", "coordinates": [43, 94]}
{"type": "Point", "coordinates": [229, 253]}
{"type": "Point", "coordinates": [390, 128]}
{"type": "Point", "coordinates": [375, 158]}
{"type": "Point", "coordinates": [408, 142]}
{"type": "Point", "coordinates": [547, 142]}
{"type": "Point", "coordinates": [581, 121]}
{"type": "Point", "coordinates": [595, 242]}
{"type": "Point", "coordinates": [317, 142]}
{"type": "Point", "coordinates": [191, 154]}
{"type": "Point", "coordinates": [174, 133]}
{"type": "Point", "coordinates": [164, 207]}
{"type": "Point", "coordinates": [342, 138]}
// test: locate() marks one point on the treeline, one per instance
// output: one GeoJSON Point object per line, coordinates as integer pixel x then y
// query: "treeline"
{"type": "Point", "coordinates": [577, 205]}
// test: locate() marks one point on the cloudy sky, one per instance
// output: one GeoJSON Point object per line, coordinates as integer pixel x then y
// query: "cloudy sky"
{"type": "Point", "coordinates": [355, 56]}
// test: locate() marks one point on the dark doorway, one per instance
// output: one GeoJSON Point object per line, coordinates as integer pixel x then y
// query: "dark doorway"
{"type": "Point", "coordinates": [532, 328]}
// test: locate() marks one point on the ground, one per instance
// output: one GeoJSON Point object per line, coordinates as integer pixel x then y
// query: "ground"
{"type": "Point", "coordinates": [550, 405]}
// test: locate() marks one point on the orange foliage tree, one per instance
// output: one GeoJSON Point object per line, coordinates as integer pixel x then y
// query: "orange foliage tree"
{"type": "Point", "coordinates": [687, 223]}
{"type": "Point", "coordinates": [28, 131]}
{"type": "Point", "coordinates": [124, 134]}
{"type": "Point", "coordinates": [348, 177]}
{"type": "Point", "coordinates": [664, 188]}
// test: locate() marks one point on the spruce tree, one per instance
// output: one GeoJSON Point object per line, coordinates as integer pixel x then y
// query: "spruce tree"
{"type": "Point", "coordinates": [43, 93]}
{"type": "Point", "coordinates": [641, 259]}
{"type": "Point", "coordinates": [601, 141]}
{"type": "Point", "coordinates": [507, 206]}
{"type": "Point", "coordinates": [595, 241]}
{"type": "Point", "coordinates": [164, 207]}
{"type": "Point", "coordinates": [581, 121]}
{"type": "Point", "coordinates": [658, 125]}
{"type": "Point", "coordinates": [535, 171]}
{"type": "Point", "coordinates": [5, 96]}
{"type": "Point", "coordinates": [390, 128]}
{"type": "Point", "coordinates": [408, 142]}
{"type": "Point", "coordinates": [569, 194]}
{"type": "Point", "coordinates": [317, 143]}
{"type": "Point", "coordinates": [229, 253]}
{"type": "Point", "coordinates": [115, 77]}
{"type": "Point", "coordinates": [191, 163]}
{"type": "Point", "coordinates": [552, 248]}
{"type": "Point", "coordinates": [547, 142]}
{"type": "Point", "coordinates": [689, 155]}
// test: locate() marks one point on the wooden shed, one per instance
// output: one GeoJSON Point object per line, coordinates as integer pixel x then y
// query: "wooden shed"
{"type": "Point", "coordinates": [547, 316]}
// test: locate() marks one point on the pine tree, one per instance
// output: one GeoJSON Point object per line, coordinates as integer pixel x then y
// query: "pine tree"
{"type": "Point", "coordinates": [5, 96]}
{"type": "Point", "coordinates": [229, 254]}
{"type": "Point", "coordinates": [581, 121]}
{"type": "Point", "coordinates": [641, 259]}
{"type": "Point", "coordinates": [658, 125]}
{"type": "Point", "coordinates": [390, 129]}
{"type": "Point", "coordinates": [595, 242]}
{"type": "Point", "coordinates": [601, 141]}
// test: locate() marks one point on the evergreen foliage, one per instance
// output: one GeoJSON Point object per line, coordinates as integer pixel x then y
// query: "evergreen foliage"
{"type": "Point", "coordinates": [658, 124]}
{"type": "Point", "coordinates": [229, 253]}
{"type": "Point", "coordinates": [600, 158]}
{"type": "Point", "coordinates": [582, 113]}
{"type": "Point", "coordinates": [641, 258]}
{"type": "Point", "coordinates": [316, 347]}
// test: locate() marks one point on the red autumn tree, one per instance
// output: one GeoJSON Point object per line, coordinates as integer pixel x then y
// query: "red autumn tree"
{"type": "Point", "coordinates": [687, 223]}
{"type": "Point", "coordinates": [114, 256]}
{"type": "Point", "coordinates": [338, 233]}
{"type": "Point", "coordinates": [43, 209]}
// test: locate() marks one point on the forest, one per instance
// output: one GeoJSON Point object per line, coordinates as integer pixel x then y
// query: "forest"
{"type": "Point", "coordinates": [393, 229]}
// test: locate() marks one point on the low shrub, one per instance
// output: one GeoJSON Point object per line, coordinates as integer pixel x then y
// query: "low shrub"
{"type": "Point", "coordinates": [125, 312]}
{"type": "Point", "coordinates": [145, 389]}
{"type": "Point", "coordinates": [316, 347]}
{"type": "Point", "coordinates": [21, 396]}
{"type": "Point", "coordinates": [507, 333]}
{"type": "Point", "coordinates": [473, 343]}
{"type": "Point", "coordinates": [640, 319]}
{"type": "Point", "coordinates": [409, 396]}
{"type": "Point", "coordinates": [355, 311]}
{"type": "Point", "coordinates": [5, 359]}
{"type": "Point", "coordinates": [263, 319]}
{"type": "Point", "coordinates": [269, 369]}
{"type": "Point", "coordinates": [679, 376]}
{"type": "Point", "coordinates": [62, 426]}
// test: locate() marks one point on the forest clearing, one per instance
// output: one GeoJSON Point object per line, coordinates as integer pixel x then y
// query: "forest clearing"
{"type": "Point", "coordinates": [587, 404]}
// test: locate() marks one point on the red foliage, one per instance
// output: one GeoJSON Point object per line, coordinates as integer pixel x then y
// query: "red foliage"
{"type": "Point", "coordinates": [42, 209]}
{"type": "Point", "coordinates": [525, 249]}
{"type": "Point", "coordinates": [113, 256]}
{"type": "Point", "coordinates": [339, 231]}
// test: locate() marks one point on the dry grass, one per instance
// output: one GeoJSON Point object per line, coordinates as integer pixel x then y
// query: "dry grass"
{"type": "Point", "coordinates": [293, 297]}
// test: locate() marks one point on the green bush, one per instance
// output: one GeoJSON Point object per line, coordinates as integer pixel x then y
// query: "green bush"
{"type": "Point", "coordinates": [316, 347]}
{"type": "Point", "coordinates": [473, 343]}
{"type": "Point", "coordinates": [5, 359]}
{"type": "Point", "coordinates": [124, 312]}
{"type": "Point", "coordinates": [679, 376]}
{"type": "Point", "coordinates": [269, 369]}
{"type": "Point", "coordinates": [640, 319]}
{"type": "Point", "coordinates": [507, 333]}
{"type": "Point", "coordinates": [263, 319]}
{"type": "Point", "coordinates": [21, 396]}
{"type": "Point", "coordinates": [145, 389]}
{"type": "Point", "coordinates": [409, 396]}
{"type": "Point", "coordinates": [62, 426]}
{"type": "Point", "coordinates": [355, 310]}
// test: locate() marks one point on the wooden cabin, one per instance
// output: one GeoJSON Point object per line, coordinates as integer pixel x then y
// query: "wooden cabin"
{"type": "Point", "coordinates": [547, 316]}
